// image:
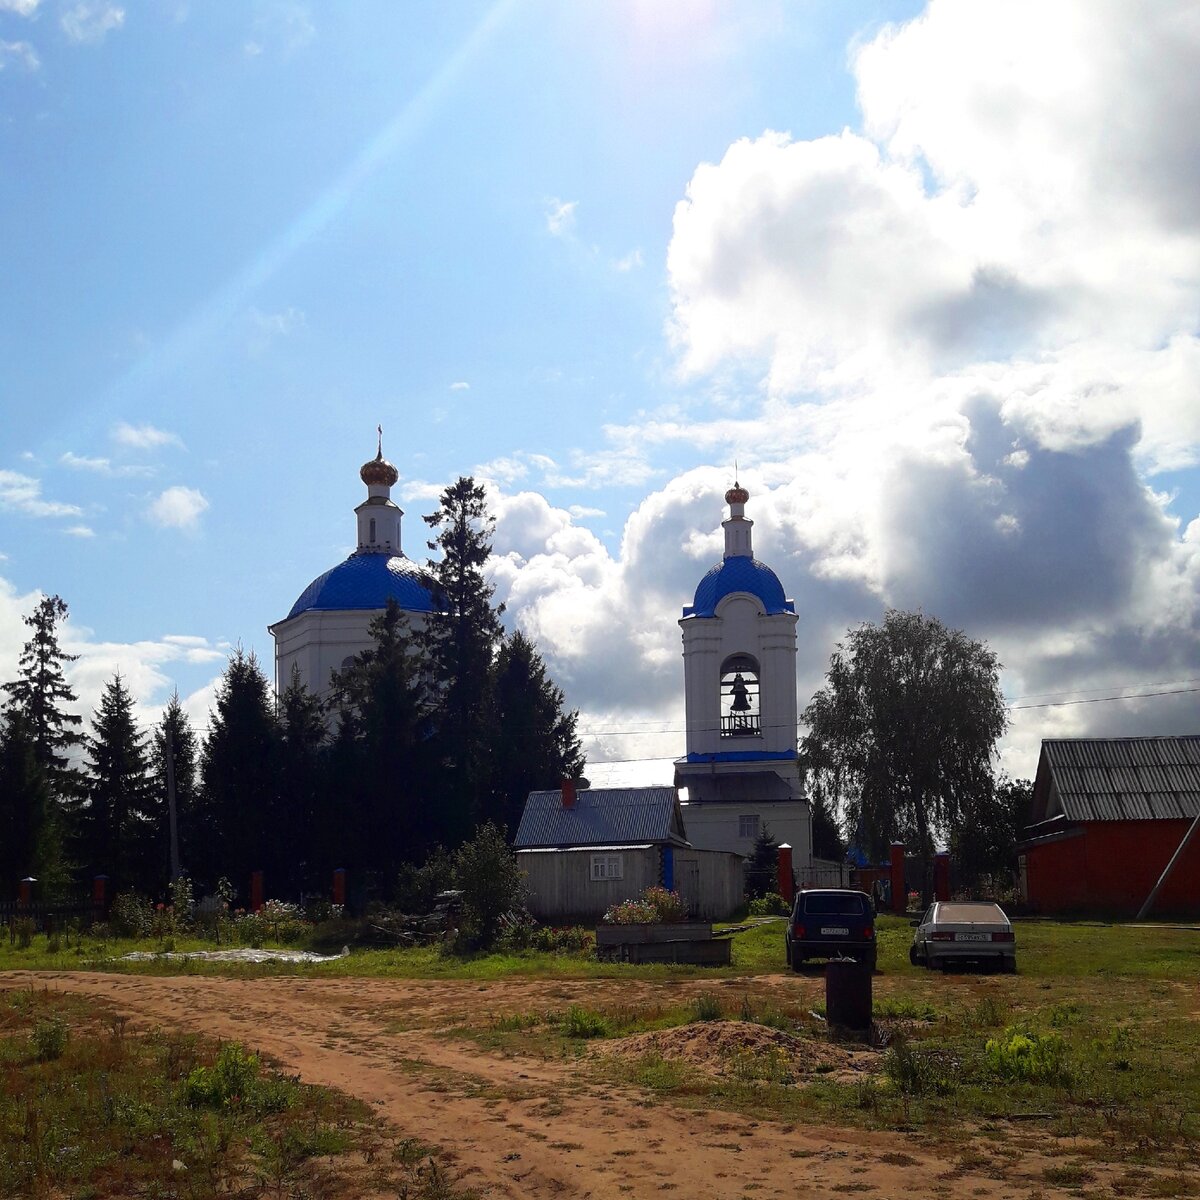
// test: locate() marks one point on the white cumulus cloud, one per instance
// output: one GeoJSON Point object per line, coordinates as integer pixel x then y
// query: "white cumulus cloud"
{"type": "Point", "coordinates": [143, 437]}
{"type": "Point", "coordinates": [91, 20]}
{"type": "Point", "coordinates": [178, 508]}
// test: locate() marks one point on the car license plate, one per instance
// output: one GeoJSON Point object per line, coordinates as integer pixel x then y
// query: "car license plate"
{"type": "Point", "coordinates": [973, 937]}
{"type": "Point", "coordinates": [834, 931]}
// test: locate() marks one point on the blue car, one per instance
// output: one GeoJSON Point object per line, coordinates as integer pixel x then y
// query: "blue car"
{"type": "Point", "coordinates": [831, 923]}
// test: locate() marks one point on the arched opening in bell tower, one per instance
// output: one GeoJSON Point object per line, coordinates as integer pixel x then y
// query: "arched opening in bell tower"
{"type": "Point", "coordinates": [740, 714]}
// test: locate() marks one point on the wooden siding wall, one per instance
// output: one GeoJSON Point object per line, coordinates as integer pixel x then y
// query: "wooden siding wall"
{"type": "Point", "coordinates": [561, 889]}
{"type": "Point", "coordinates": [713, 882]}
{"type": "Point", "coordinates": [1111, 867]}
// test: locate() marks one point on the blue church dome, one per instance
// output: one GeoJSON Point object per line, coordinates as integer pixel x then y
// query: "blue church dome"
{"type": "Point", "coordinates": [367, 581]}
{"type": "Point", "coordinates": [739, 573]}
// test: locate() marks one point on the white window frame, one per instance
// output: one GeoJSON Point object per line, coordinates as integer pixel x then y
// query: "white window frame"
{"type": "Point", "coordinates": [607, 866]}
{"type": "Point", "coordinates": [752, 819]}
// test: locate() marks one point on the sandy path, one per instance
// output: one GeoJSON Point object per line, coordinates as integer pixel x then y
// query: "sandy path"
{"type": "Point", "coordinates": [524, 1127]}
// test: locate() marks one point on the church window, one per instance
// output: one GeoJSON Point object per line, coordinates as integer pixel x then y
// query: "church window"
{"type": "Point", "coordinates": [740, 715]}
{"type": "Point", "coordinates": [748, 826]}
{"type": "Point", "coordinates": [372, 530]}
{"type": "Point", "coordinates": [607, 866]}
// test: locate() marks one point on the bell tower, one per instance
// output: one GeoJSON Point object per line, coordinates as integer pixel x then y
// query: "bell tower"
{"type": "Point", "coordinates": [739, 674]}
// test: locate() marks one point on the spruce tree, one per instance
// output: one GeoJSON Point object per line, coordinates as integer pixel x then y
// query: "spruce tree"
{"type": "Point", "coordinates": [26, 805]}
{"type": "Point", "coordinates": [40, 695]}
{"type": "Point", "coordinates": [115, 833]}
{"type": "Point", "coordinates": [175, 732]}
{"type": "Point", "coordinates": [382, 750]}
{"type": "Point", "coordinates": [301, 785]}
{"type": "Point", "coordinates": [239, 772]}
{"type": "Point", "coordinates": [534, 744]}
{"type": "Point", "coordinates": [460, 644]}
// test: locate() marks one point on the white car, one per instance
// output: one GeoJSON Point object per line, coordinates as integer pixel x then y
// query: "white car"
{"type": "Point", "coordinates": [964, 931]}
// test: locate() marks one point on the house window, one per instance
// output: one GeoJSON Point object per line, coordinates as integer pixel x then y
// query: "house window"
{"type": "Point", "coordinates": [748, 826]}
{"type": "Point", "coordinates": [607, 866]}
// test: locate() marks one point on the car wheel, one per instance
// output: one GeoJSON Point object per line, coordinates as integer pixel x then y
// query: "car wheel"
{"type": "Point", "coordinates": [931, 964]}
{"type": "Point", "coordinates": [872, 960]}
{"type": "Point", "coordinates": [912, 956]}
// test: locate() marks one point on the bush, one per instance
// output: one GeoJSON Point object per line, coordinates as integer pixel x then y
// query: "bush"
{"type": "Point", "coordinates": [1027, 1057]}
{"type": "Point", "coordinates": [707, 1008]}
{"type": "Point", "coordinates": [918, 1072]}
{"type": "Point", "coordinates": [656, 906]}
{"type": "Point", "coordinates": [670, 906]}
{"type": "Point", "coordinates": [417, 887]}
{"type": "Point", "coordinates": [770, 905]}
{"type": "Point", "coordinates": [131, 915]}
{"type": "Point", "coordinates": [486, 872]}
{"type": "Point", "coordinates": [583, 1023]}
{"type": "Point", "coordinates": [632, 912]}
{"type": "Point", "coordinates": [49, 1040]}
{"type": "Point", "coordinates": [228, 1081]}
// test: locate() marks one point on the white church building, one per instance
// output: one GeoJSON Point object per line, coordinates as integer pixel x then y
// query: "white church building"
{"type": "Point", "coordinates": [328, 624]}
{"type": "Point", "coordinates": [741, 770]}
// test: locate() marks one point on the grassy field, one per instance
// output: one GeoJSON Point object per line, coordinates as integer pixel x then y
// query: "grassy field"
{"type": "Point", "coordinates": [88, 1108]}
{"type": "Point", "coordinates": [1045, 949]}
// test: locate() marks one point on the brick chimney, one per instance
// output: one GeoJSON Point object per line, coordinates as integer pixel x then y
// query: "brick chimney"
{"type": "Point", "coordinates": [568, 793]}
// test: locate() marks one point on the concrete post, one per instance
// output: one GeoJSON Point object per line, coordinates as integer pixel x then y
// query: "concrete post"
{"type": "Point", "coordinates": [787, 882]}
{"type": "Point", "coordinates": [899, 885]}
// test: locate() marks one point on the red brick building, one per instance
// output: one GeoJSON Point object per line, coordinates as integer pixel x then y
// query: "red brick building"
{"type": "Point", "coordinates": [1107, 815]}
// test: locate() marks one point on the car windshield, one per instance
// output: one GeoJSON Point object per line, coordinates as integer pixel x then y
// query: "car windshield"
{"type": "Point", "coordinates": [989, 914]}
{"type": "Point", "coordinates": [835, 905]}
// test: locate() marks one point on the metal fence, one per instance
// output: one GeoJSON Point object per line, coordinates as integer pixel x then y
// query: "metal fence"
{"type": "Point", "coordinates": [48, 915]}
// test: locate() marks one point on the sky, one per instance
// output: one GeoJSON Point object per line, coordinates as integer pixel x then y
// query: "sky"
{"type": "Point", "coordinates": [929, 275]}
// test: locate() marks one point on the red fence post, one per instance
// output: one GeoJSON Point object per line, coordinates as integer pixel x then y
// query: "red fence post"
{"type": "Point", "coordinates": [25, 891]}
{"type": "Point", "coordinates": [100, 895]}
{"type": "Point", "coordinates": [941, 875]}
{"type": "Point", "coordinates": [787, 881]}
{"type": "Point", "coordinates": [339, 886]}
{"type": "Point", "coordinates": [899, 884]}
{"type": "Point", "coordinates": [256, 891]}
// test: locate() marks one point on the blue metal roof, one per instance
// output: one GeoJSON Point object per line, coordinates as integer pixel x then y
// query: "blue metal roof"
{"type": "Point", "coordinates": [601, 817]}
{"type": "Point", "coordinates": [367, 581]}
{"type": "Point", "coordinates": [739, 573]}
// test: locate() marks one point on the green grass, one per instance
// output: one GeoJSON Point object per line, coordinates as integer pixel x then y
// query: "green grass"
{"type": "Point", "coordinates": [1045, 950]}
{"type": "Point", "coordinates": [88, 1108]}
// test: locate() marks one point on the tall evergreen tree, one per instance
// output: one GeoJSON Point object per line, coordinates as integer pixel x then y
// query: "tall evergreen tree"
{"type": "Point", "coordinates": [460, 645]}
{"type": "Point", "coordinates": [41, 693]}
{"type": "Point", "coordinates": [302, 777]}
{"type": "Point", "coordinates": [382, 750]}
{"type": "Point", "coordinates": [534, 744]}
{"type": "Point", "coordinates": [26, 805]}
{"type": "Point", "coordinates": [238, 770]}
{"type": "Point", "coordinates": [115, 833]}
{"type": "Point", "coordinates": [174, 732]}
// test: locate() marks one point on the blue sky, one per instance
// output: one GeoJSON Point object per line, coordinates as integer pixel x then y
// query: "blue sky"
{"type": "Point", "coordinates": [932, 277]}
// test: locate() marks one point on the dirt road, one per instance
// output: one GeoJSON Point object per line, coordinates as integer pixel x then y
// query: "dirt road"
{"type": "Point", "coordinates": [518, 1127]}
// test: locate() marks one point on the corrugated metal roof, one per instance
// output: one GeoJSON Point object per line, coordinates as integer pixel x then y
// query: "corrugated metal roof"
{"type": "Point", "coordinates": [1122, 779]}
{"type": "Point", "coordinates": [601, 816]}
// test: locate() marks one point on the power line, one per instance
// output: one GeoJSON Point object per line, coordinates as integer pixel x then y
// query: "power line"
{"type": "Point", "coordinates": [1011, 707]}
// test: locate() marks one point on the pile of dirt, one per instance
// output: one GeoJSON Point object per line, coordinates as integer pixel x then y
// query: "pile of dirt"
{"type": "Point", "coordinates": [719, 1046]}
